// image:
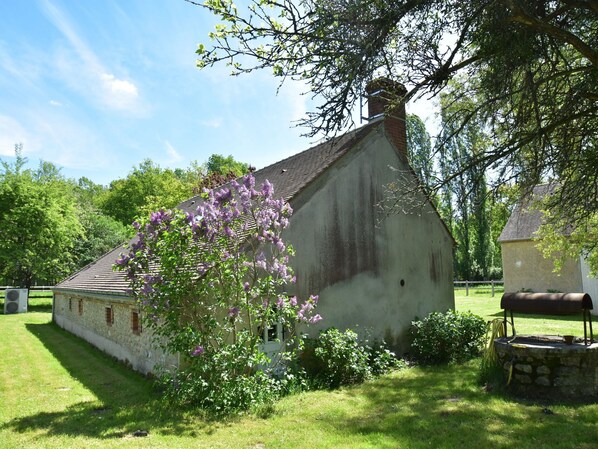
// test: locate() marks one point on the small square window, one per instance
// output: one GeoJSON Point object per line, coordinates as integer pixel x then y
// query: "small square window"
{"type": "Point", "coordinates": [80, 307]}
{"type": "Point", "coordinates": [109, 316]}
{"type": "Point", "coordinates": [70, 304]}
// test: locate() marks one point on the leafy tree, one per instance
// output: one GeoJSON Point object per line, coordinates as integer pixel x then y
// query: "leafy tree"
{"type": "Point", "coordinates": [224, 165]}
{"type": "Point", "coordinates": [419, 147]}
{"type": "Point", "coordinates": [148, 187]}
{"type": "Point", "coordinates": [101, 234]}
{"type": "Point", "coordinates": [89, 194]}
{"type": "Point", "coordinates": [561, 243]}
{"type": "Point", "coordinates": [531, 69]}
{"type": "Point", "coordinates": [39, 223]}
{"type": "Point", "coordinates": [211, 283]}
{"type": "Point", "coordinates": [466, 190]}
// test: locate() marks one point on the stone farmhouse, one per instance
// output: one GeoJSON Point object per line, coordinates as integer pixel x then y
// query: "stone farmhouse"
{"type": "Point", "coordinates": [524, 267]}
{"type": "Point", "coordinates": [372, 275]}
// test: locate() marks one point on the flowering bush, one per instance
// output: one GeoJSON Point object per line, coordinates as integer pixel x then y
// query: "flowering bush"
{"type": "Point", "coordinates": [209, 283]}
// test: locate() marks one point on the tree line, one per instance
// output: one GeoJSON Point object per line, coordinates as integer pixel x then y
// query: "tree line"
{"type": "Point", "coordinates": [473, 211]}
{"type": "Point", "coordinates": [52, 226]}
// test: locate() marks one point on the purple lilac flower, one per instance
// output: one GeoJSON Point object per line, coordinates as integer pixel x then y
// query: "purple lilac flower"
{"type": "Point", "coordinates": [267, 189]}
{"type": "Point", "coordinates": [280, 245]}
{"type": "Point", "coordinates": [147, 289]}
{"type": "Point", "coordinates": [314, 319]}
{"type": "Point", "coordinates": [122, 260]}
{"type": "Point", "coordinates": [246, 286]}
{"type": "Point", "coordinates": [249, 181]}
{"type": "Point", "coordinates": [306, 308]}
{"type": "Point", "coordinates": [223, 196]}
{"type": "Point", "coordinates": [304, 311]}
{"type": "Point", "coordinates": [260, 261]}
{"type": "Point", "coordinates": [199, 350]}
{"type": "Point", "coordinates": [233, 312]}
{"type": "Point", "coordinates": [155, 218]}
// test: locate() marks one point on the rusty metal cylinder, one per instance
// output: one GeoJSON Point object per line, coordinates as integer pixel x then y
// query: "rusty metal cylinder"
{"type": "Point", "coordinates": [547, 303]}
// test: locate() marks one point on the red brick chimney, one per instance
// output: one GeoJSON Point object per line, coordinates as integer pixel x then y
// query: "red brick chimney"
{"type": "Point", "coordinates": [385, 99]}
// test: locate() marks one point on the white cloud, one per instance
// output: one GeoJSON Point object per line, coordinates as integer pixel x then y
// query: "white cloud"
{"type": "Point", "coordinates": [120, 87]}
{"type": "Point", "coordinates": [122, 93]}
{"type": "Point", "coordinates": [211, 123]}
{"type": "Point", "coordinates": [55, 103]}
{"type": "Point", "coordinates": [114, 92]}
{"type": "Point", "coordinates": [172, 153]}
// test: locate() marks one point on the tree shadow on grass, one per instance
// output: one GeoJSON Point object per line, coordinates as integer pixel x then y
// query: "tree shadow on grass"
{"type": "Point", "coordinates": [126, 401]}
{"type": "Point", "coordinates": [444, 407]}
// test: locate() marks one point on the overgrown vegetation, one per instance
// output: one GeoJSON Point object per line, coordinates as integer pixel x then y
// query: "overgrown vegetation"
{"type": "Point", "coordinates": [336, 358]}
{"type": "Point", "coordinates": [211, 286]}
{"type": "Point", "coordinates": [447, 337]}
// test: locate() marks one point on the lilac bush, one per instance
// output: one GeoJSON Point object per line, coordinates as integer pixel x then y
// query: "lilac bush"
{"type": "Point", "coordinates": [209, 283]}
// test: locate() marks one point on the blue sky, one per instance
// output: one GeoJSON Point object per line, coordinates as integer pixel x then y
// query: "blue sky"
{"type": "Point", "coordinates": [97, 86]}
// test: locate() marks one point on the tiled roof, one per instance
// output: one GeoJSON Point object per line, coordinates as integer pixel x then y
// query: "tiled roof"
{"type": "Point", "coordinates": [98, 277]}
{"type": "Point", "coordinates": [525, 220]}
{"type": "Point", "coordinates": [292, 174]}
{"type": "Point", "coordinates": [288, 176]}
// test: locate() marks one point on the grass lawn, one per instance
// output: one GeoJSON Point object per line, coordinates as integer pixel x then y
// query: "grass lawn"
{"type": "Point", "coordinates": [58, 392]}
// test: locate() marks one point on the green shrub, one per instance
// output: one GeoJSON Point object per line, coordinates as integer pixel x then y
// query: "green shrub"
{"type": "Point", "coordinates": [338, 358]}
{"type": "Point", "coordinates": [447, 337]}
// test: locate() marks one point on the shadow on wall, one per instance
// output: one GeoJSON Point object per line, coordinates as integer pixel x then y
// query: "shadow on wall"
{"type": "Point", "coordinates": [126, 401]}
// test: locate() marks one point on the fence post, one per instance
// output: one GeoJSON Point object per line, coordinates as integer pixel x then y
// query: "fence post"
{"type": "Point", "coordinates": [466, 288]}
{"type": "Point", "coordinates": [492, 282]}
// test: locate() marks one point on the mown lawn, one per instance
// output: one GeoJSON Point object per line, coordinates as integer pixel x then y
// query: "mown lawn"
{"type": "Point", "coordinates": [58, 392]}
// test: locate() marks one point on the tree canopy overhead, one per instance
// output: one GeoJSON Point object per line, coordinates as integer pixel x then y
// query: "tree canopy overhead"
{"type": "Point", "coordinates": [527, 68]}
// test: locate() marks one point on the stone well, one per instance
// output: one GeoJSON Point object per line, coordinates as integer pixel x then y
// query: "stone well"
{"type": "Point", "coordinates": [547, 367]}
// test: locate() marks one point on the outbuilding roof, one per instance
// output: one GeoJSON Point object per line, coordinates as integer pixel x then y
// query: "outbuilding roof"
{"type": "Point", "coordinates": [526, 219]}
{"type": "Point", "coordinates": [289, 177]}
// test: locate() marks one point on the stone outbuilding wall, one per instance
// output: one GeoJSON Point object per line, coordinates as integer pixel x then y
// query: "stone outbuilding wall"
{"type": "Point", "coordinates": [114, 325]}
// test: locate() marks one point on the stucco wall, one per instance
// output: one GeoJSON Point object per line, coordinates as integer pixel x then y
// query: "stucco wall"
{"type": "Point", "coordinates": [590, 284]}
{"type": "Point", "coordinates": [373, 277]}
{"type": "Point", "coordinates": [524, 267]}
{"type": "Point", "coordinates": [117, 339]}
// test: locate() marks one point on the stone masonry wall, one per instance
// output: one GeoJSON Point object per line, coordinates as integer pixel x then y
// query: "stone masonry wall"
{"type": "Point", "coordinates": [116, 338]}
{"type": "Point", "coordinates": [554, 370]}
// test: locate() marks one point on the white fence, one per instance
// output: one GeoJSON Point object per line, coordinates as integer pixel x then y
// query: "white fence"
{"type": "Point", "coordinates": [468, 284]}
